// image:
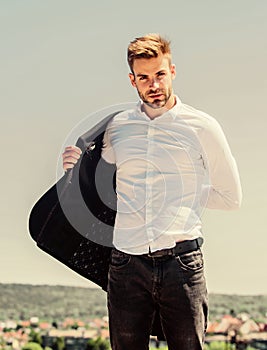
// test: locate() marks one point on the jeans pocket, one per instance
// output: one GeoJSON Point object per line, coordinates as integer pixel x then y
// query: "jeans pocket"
{"type": "Point", "coordinates": [192, 261]}
{"type": "Point", "coordinates": [119, 259]}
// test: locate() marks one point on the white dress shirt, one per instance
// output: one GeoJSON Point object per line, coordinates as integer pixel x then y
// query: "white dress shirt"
{"type": "Point", "coordinates": [168, 170]}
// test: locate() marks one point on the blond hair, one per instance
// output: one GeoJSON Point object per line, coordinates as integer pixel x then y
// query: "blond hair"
{"type": "Point", "coordinates": [148, 46]}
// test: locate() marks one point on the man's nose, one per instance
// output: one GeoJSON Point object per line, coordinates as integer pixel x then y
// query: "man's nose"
{"type": "Point", "coordinates": [154, 83]}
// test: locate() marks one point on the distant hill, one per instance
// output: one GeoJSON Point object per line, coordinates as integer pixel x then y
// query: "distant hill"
{"type": "Point", "coordinates": [254, 305]}
{"type": "Point", "coordinates": [54, 303]}
{"type": "Point", "coordinates": [22, 301]}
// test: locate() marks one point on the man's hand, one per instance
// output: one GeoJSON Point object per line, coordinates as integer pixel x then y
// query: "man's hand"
{"type": "Point", "coordinates": [70, 157]}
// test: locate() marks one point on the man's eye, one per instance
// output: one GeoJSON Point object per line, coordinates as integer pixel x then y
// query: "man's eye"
{"type": "Point", "coordinates": [142, 78]}
{"type": "Point", "coordinates": [161, 74]}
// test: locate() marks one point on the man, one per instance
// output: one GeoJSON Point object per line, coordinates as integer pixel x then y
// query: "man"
{"type": "Point", "coordinates": [172, 161]}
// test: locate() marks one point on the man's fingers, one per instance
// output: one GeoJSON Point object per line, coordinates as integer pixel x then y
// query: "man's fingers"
{"type": "Point", "coordinates": [70, 156]}
{"type": "Point", "coordinates": [72, 151]}
{"type": "Point", "coordinates": [69, 162]}
{"type": "Point", "coordinates": [70, 159]}
{"type": "Point", "coordinates": [67, 166]}
{"type": "Point", "coordinates": [73, 148]}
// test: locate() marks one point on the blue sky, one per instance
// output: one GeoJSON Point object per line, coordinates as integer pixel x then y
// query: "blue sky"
{"type": "Point", "coordinates": [63, 60]}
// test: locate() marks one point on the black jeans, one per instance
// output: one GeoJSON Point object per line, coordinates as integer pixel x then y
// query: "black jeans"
{"type": "Point", "coordinates": [139, 284]}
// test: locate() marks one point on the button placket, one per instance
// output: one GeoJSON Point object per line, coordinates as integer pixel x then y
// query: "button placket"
{"type": "Point", "coordinates": [149, 182]}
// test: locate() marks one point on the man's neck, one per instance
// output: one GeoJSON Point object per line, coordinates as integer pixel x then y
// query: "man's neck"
{"type": "Point", "coordinates": [153, 113]}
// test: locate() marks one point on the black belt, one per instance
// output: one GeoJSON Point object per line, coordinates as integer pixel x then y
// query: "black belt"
{"type": "Point", "coordinates": [180, 248]}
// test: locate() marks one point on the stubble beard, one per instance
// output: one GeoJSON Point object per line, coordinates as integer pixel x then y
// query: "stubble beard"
{"type": "Point", "coordinates": [157, 103]}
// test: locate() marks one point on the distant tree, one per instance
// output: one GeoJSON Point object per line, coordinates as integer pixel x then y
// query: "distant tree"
{"type": "Point", "coordinates": [19, 326]}
{"type": "Point", "coordinates": [98, 344]}
{"type": "Point", "coordinates": [102, 344]}
{"type": "Point", "coordinates": [232, 313]}
{"type": "Point", "coordinates": [217, 345]}
{"type": "Point", "coordinates": [75, 326]}
{"type": "Point", "coordinates": [90, 345]}
{"type": "Point", "coordinates": [54, 324]}
{"type": "Point", "coordinates": [32, 346]}
{"type": "Point", "coordinates": [35, 337]}
{"type": "Point", "coordinates": [2, 343]}
{"type": "Point", "coordinates": [59, 344]}
{"type": "Point", "coordinates": [22, 316]}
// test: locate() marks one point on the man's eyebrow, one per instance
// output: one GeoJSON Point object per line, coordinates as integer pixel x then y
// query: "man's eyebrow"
{"type": "Point", "coordinates": [141, 75]}
{"type": "Point", "coordinates": [161, 71]}
{"type": "Point", "coordinates": [145, 75]}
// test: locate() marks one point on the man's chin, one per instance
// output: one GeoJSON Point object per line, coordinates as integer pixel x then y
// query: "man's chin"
{"type": "Point", "coordinates": [157, 104]}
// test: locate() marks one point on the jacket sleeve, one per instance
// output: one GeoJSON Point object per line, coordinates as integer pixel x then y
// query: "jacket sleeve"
{"type": "Point", "coordinates": [107, 150]}
{"type": "Point", "coordinates": [223, 190]}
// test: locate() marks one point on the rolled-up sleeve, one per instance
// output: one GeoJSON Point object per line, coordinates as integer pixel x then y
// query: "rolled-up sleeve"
{"type": "Point", "coordinates": [223, 190]}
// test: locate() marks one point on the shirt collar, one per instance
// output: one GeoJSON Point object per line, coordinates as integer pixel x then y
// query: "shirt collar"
{"type": "Point", "coordinates": [173, 112]}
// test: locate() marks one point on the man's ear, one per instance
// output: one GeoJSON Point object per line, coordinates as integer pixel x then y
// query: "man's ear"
{"type": "Point", "coordinates": [132, 79]}
{"type": "Point", "coordinates": [173, 71]}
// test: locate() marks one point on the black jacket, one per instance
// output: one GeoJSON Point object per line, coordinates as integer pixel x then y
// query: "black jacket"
{"type": "Point", "coordinates": [73, 222]}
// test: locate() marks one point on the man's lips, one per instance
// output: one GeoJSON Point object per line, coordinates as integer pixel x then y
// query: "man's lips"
{"type": "Point", "coordinates": [155, 95]}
